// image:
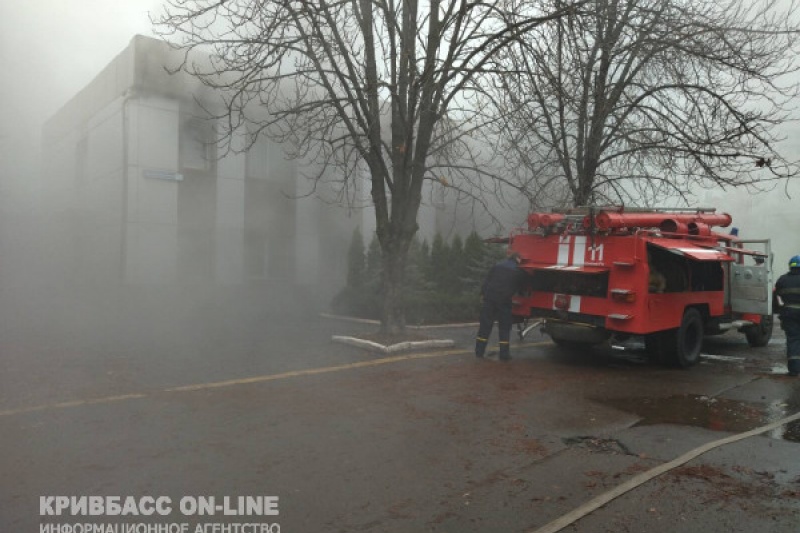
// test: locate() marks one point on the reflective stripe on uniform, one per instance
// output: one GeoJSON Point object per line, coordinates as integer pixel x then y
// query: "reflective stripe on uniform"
{"type": "Point", "coordinates": [503, 342]}
{"type": "Point", "coordinates": [481, 339]}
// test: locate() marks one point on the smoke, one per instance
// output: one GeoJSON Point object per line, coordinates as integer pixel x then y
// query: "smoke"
{"type": "Point", "coordinates": [49, 49]}
{"type": "Point", "coordinates": [770, 210]}
{"type": "Point", "coordinates": [52, 49]}
{"type": "Point", "coordinates": [771, 214]}
{"type": "Point", "coordinates": [60, 287]}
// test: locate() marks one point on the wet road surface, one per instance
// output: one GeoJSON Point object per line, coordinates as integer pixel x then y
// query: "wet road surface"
{"type": "Point", "coordinates": [260, 403]}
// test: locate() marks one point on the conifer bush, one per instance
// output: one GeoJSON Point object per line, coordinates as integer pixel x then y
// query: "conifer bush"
{"type": "Point", "coordinates": [443, 279]}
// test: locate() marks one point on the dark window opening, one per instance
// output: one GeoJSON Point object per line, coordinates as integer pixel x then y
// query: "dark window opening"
{"type": "Point", "coordinates": [673, 272]}
{"type": "Point", "coordinates": [576, 283]}
{"type": "Point", "coordinates": [668, 270]}
{"type": "Point", "coordinates": [198, 150]}
{"type": "Point", "coordinates": [706, 275]}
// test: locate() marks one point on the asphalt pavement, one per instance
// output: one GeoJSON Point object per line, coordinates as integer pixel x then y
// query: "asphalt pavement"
{"type": "Point", "coordinates": [217, 399]}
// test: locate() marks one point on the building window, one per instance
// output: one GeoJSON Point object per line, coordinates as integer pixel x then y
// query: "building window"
{"type": "Point", "coordinates": [198, 149]}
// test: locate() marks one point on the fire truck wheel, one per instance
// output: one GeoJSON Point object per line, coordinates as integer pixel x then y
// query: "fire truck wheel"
{"type": "Point", "coordinates": [688, 339]}
{"type": "Point", "coordinates": [758, 335]}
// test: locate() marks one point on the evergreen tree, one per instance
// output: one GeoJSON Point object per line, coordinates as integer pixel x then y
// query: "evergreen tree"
{"type": "Point", "coordinates": [442, 280]}
{"type": "Point", "coordinates": [374, 265]}
{"type": "Point", "coordinates": [480, 257]}
{"type": "Point", "coordinates": [356, 261]}
{"type": "Point", "coordinates": [439, 263]}
{"type": "Point", "coordinates": [456, 266]}
{"type": "Point", "coordinates": [418, 292]}
{"type": "Point", "coordinates": [474, 262]}
{"type": "Point", "coordinates": [417, 266]}
{"type": "Point", "coordinates": [367, 299]}
{"type": "Point", "coordinates": [425, 251]}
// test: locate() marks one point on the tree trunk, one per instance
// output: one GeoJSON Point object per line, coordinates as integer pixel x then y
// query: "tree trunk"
{"type": "Point", "coordinates": [583, 194]}
{"type": "Point", "coordinates": [393, 316]}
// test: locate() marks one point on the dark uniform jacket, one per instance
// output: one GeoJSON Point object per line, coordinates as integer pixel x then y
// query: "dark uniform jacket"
{"type": "Point", "coordinates": [503, 281]}
{"type": "Point", "coordinates": [788, 289]}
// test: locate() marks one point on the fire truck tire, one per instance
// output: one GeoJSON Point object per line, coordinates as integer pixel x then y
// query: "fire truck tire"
{"type": "Point", "coordinates": [758, 335]}
{"type": "Point", "coordinates": [687, 340]}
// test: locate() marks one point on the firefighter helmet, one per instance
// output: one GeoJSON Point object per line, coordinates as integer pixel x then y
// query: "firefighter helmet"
{"type": "Point", "coordinates": [794, 262]}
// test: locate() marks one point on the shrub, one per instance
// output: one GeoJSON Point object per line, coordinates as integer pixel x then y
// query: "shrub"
{"type": "Point", "coordinates": [443, 280]}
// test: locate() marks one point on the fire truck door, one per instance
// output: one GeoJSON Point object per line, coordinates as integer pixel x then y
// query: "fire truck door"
{"type": "Point", "coordinates": [751, 284]}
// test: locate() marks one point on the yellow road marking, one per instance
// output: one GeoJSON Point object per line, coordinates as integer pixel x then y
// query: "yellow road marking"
{"type": "Point", "coordinates": [73, 403]}
{"type": "Point", "coordinates": [254, 379]}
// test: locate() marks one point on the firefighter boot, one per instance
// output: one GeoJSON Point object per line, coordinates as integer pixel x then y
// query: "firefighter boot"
{"type": "Point", "coordinates": [505, 353]}
{"type": "Point", "coordinates": [480, 347]}
{"type": "Point", "coordinates": [794, 365]}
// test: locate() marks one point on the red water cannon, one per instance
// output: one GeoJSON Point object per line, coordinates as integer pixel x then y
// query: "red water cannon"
{"type": "Point", "coordinates": [692, 223]}
{"type": "Point", "coordinates": [543, 220]}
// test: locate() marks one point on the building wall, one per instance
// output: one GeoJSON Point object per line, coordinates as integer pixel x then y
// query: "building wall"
{"type": "Point", "coordinates": [229, 229]}
{"type": "Point", "coordinates": [150, 242]}
{"type": "Point", "coordinates": [146, 200]}
{"type": "Point", "coordinates": [98, 193]}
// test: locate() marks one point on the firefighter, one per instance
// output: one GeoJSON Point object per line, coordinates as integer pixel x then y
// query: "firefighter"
{"type": "Point", "coordinates": [787, 291]}
{"type": "Point", "coordinates": [657, 281]}
{"type": "Point", "coordinates": [503, 281]}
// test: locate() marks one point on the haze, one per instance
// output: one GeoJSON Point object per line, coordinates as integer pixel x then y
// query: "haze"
{"type": "Point", "coordinates": [51, 49]}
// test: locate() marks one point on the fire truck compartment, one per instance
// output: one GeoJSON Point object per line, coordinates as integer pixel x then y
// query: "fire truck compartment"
{"type": "Point", "coordinates": [573, 282]}
{"type": "Point", "coordinates": [698, 253]}
{"type": "Point", "coordinates": [685, 272]}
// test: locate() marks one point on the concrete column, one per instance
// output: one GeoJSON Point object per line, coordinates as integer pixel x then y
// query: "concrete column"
{"type": "Point", "coordinates": [229, 261]}
{"type": "Point", "coordinates": [152, 191]}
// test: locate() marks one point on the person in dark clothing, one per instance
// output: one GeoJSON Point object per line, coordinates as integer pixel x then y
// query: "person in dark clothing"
{"type": "Point", "coordinates": [787, 292]}
{"type": "Point", "coordinates": [503, 281]}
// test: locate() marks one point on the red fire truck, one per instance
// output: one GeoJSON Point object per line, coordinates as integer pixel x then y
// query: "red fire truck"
{"type": "Point", "coordinates": [600, 274]}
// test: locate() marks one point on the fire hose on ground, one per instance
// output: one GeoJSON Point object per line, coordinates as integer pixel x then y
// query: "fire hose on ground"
{"type": "Point", "coordinates": [601, 500]}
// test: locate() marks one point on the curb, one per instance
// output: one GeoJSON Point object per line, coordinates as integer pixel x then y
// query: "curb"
{"type": "Point", "coordinates": [356, 320]}
{"type": "Point", "coordinates": [394, 348]}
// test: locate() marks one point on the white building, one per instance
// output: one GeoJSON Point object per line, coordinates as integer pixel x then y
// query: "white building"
{"type": "Point", "coordinates": [137, 194]}
{"type": "Point", "coordinates": [130, 166]}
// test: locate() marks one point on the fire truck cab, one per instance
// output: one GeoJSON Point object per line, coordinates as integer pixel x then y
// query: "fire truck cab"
{"type": "Point", "coordinates": [596, 274]}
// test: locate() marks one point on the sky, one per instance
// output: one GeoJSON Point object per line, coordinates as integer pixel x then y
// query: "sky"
{"type": "Point", "coordinates": [50, 49]}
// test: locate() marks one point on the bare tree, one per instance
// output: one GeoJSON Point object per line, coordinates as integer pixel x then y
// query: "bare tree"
{"type": "Point", "coordinates": [638, 100]}
{"type": "Point", "coordinates": [347, 83]}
